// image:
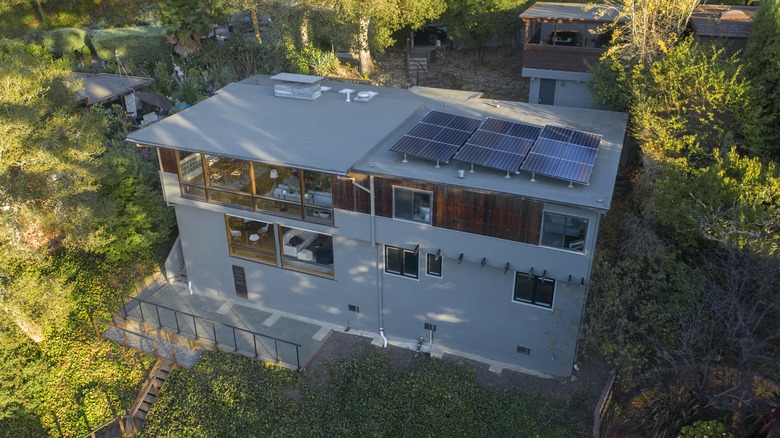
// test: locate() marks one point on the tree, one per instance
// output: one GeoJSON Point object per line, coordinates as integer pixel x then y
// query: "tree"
{"type": "Point", "coordinates": [372, 22]}
{"type": "Point", "coordinates": [475, 22]}
{"type": "Point", "coordinates": [763, 69]}
{"type": "Point", "coordinates": [643, 29]}
{"type": "Point", "coordinates": [186, 21]}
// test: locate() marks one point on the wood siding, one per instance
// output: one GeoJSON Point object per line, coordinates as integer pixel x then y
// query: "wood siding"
{"type": "Point", "coordinates": [168, 161]}
{"type": "Point", "coordinates": [502, 216]}
{"type": "Point", "coordinates": [545, 56]}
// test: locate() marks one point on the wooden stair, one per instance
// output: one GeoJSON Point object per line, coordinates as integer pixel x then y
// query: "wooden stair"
{"type": "Point", "coordinates": [149, 393]}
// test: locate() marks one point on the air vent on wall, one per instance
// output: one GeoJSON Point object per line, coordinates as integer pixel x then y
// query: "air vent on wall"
{"type": "Point", "coordinates": [524, 350]}
{"type": "Point", "coordinates": [354, 308]}
{"type": "Point", "coordinates": [429, 326]}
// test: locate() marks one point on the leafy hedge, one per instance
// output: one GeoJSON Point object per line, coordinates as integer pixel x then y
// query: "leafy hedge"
{"type": "Point", "coordinates": [64, 41]}
{"type": "Point", "coordinates": [140, 46]}
{"type": "Point", "coordinates": [230, 396]}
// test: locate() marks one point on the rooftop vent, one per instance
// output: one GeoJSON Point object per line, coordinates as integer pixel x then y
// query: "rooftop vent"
{"type": "Point", "coordinates": [297, 86]}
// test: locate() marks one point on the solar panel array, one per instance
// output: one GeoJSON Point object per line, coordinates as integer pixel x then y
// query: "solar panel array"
{"type": "Point", "coordinates": [564, 154]}
{"type": "Point", "coordinates": [554, 151]}
{"type": "Point", "coordinates": [499, 144]}
{"type": "Point", "coordinates": [437, 136]}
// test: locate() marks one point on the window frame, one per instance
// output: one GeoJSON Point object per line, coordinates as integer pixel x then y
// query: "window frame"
{"type": "Point", "coordinates": [402, 262]}
{"type": "Point", "coordinates": [440, 262]}
{"type": "Point", "coordinates": [414, 192]}
{"type": "Point", "coordinates": [563, 245]}
{"type": "Point", "coordinates": [535, 293]}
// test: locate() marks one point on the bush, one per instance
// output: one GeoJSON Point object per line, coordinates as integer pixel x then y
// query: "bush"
{"type": "Point", "coordinates": [321, 63]}
{"type": "Point", "coordinates": [140, 46]}
{"type": "Point", "coordinates": [61, 41]}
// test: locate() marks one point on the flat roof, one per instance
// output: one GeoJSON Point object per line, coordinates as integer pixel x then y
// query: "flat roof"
{"type": "Point", "coordinates": [105, 87]}
{"type": "Point", "coordinates": [570, 12]}
{"type": "Point", "coordinates": [244, 120]}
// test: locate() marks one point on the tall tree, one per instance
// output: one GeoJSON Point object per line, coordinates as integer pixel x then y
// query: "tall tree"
{"type": "Point", "coordinates": [374, 21]}
{"type": "Point", "coordinates": [644, 28]}
{"type": "Point", "coordinates": [763, 65]}
{"type": "Point", "coordinates": [477, 21]}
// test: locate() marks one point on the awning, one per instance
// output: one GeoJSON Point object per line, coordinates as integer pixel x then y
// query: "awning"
{"type": "Point", "coordinates": [154, 99]}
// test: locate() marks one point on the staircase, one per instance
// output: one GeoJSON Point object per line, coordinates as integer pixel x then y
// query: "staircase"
{"type": "Point", "coordinates": [417, 65]}
{"type": "Point", "coordinates": [149, 393]}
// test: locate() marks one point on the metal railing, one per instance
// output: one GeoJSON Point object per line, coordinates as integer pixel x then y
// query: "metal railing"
{"type": "Point", "coordinates": [220, 334]}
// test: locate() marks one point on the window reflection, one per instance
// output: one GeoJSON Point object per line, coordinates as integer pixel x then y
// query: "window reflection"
{"type": "Point", "coordinates": [191, 168]}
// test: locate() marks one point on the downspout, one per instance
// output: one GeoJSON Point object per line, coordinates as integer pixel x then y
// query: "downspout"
{"type": "Point", "coordinates": [379, 285]}
{"type": "Point", "coordinates": [585, 298]}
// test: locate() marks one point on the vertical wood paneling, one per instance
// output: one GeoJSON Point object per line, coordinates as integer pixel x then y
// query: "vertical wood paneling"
{"type": "Point", "coordinates": [343, 194]}
{"type": "Point", "coordinates": [168, 162]}
{"type": "Point", "coordinates": [501, 216]}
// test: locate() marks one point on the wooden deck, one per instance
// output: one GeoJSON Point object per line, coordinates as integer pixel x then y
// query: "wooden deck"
{"type": "Point", "coordinates": [545, 56]}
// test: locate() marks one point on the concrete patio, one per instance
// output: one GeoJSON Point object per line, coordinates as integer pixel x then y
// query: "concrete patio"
{"type": "Point", "coordinates": [227, 326]}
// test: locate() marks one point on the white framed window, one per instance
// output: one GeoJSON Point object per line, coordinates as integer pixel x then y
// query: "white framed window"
{"type": "Point", "coordinates": [402, 262]}
{"type": "Point", "coordinates": [412, 204]}
{"type": "Point", "coordinates": [533, 289]}
{"type": "Point", "coordinates": [433, 265]}
{"type": "Point", "coordinates": [564, 231]}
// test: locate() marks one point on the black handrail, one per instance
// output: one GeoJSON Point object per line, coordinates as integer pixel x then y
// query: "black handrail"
{"type": "Point", "coordinates": [195, 319]}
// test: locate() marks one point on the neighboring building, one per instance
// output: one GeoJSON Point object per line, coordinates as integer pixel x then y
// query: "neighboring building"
{"type": "Point", "coordinates": [725, 26]}
{"type": "Point", "coordinates": [561, 39]}
{"type": "Point", "coordinates": [297, 204]}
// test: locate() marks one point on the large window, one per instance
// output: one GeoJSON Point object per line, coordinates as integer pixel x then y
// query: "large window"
{"type": "Point", "coordinates": [401, 261]}
{"type": "Point", "coordinates": [307, 251]}
{"type": "Point", "coordinates": [251, 240]}
{"type": "Point", "coordinates": [562, 231]}
{"type": "Point", "coordinates": [284, 191]}
{"type": "Point", "coordinates": [411, 204]}
{"type": "Point", "coordinates": [533, 289]}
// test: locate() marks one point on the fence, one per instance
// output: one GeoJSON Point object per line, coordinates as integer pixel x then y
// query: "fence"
{"type": "Point", "coordinates": [219, 334]}
{"type": "Point", "coordinates": [602, 405]}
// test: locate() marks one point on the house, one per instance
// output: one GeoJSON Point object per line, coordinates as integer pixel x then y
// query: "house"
{"type": "Point", "coordinates": [560, 41]}
{"type": "Point", "coordinates": [725, 26]}
{"type": "Point", "coordinates": [107, 89]}
{"type": "Point", "coordinates": [433, 218]}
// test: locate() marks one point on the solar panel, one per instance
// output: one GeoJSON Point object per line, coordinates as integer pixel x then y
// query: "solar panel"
{"type": "Point", "coordinates": [499, 144]}
{"type": "Point", "coordinates": [563, 153]}
{"type": "Point", "coordinates": [437, 136]}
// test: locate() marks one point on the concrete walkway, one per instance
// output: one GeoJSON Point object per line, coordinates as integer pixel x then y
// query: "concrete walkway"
{"type": "Point", "coordinates": [270, 336]}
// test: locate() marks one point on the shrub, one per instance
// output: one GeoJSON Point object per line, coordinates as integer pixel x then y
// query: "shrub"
{"type": "Point", "coordinates": [321, 63]}
{"type": "Point", "coordinates": [61, 41]}
{"type": "Point", "coordinates": [141, 46]}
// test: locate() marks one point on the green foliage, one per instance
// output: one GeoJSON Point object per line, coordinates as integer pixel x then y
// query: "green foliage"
{"type": "Point", "coordinates": [702, 428]}
{"type": "Point", "coordinates": [135, 46]}
{"type": "Point", "coordinates": [64, 41]}
{"type": "Point", "coordinates": [230, 396]}
{"type": "Point", "coordinates": [186, 21]}
{"type": "Point", "coordinates": [321, 63]}
{"type": "Point", "coordinates": [609, 83]}
{"type": "Point", "coordinates": [476, 22]}
{"type": "Point", "coordinates": [690, 103]}
{"type": "Point", "coordinates": [763, 65]}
